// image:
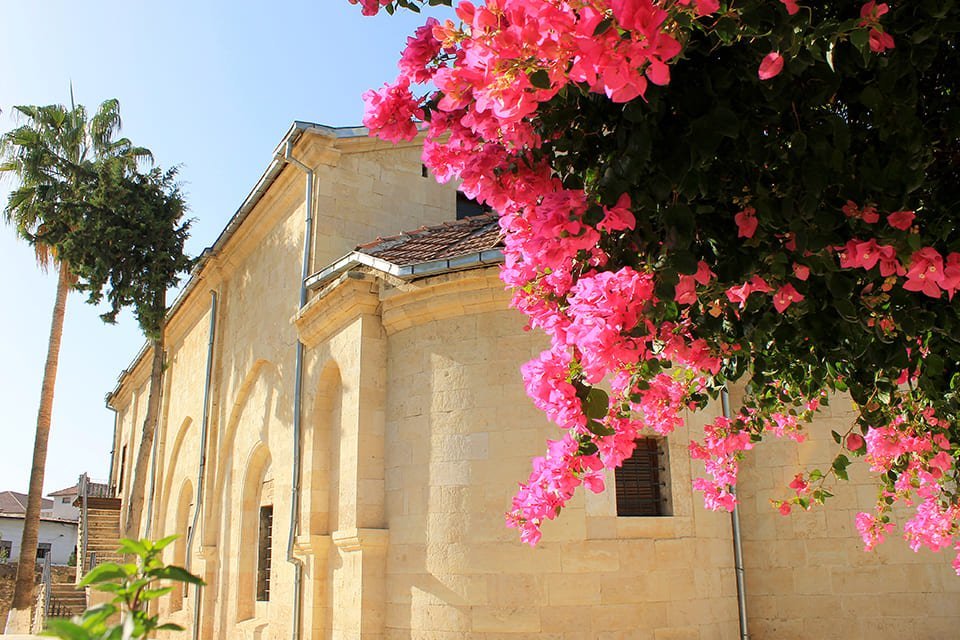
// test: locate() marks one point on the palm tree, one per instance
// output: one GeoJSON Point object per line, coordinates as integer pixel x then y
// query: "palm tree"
{"type": "Point", "coordinates": [50, 155]}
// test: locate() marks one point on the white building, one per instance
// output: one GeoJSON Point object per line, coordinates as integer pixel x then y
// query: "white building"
{"type": "Point", "coordinates": [56, 537]}
{"type": "Point", "coordinates": [58, 526]}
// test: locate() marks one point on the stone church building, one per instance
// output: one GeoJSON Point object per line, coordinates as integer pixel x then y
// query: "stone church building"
{"type": "Point", "coordinates": [338, 457]}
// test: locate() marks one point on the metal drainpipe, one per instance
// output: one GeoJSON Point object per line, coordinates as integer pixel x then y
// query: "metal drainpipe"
{"type": "Point", "coordinates": [297, 395]}
{"type": "Point", "coordinates": [113, 446]}
{"type": "Point", "coordinates": [737, 547]}
{"type": "Point", "coordinates": [83, 484]}
{"type": "Point", "coordinates": [204, 422]}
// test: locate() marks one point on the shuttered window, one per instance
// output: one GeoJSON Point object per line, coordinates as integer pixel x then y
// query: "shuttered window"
{"type": "Point", "coordinates": [264, 548]}
{"type": "Point", "coordinates": [641, 481]}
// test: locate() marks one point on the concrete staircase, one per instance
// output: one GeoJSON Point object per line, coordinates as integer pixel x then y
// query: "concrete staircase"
{"type": "Point", "coordinates": [66, 600]}
{"type": "Point", "coordinates": [102, 533]}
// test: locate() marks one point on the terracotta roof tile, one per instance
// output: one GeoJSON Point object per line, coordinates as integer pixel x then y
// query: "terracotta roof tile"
{"type": "Point", "coordinates": [14, 502]}
{"type": "Point", "coordinates": [448, 240]}
{"type": "Point", "coordinates": [69, 491]}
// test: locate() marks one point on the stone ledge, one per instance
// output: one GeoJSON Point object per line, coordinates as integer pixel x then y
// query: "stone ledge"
{"type": "Point", "coordinates": [312, 545]}
{"type": "Point", "coordinates": [361, 539]}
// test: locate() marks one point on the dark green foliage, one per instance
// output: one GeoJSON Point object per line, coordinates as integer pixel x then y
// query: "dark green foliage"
{"type": "Point", "coordinates": [125, 240]}
{"type": "Point", "coordinates": [82, 199]}
{"type": "Point", "coordinates": [839, 123]}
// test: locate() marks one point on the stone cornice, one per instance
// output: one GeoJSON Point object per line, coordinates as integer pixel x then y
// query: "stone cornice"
{"type": "Point", "coordinates": [312, 545]}
{"type": "Point", "coordinates": [361, 539]}
{"type": "Point", "coordinates": [441, 297]}
{"type": "Point", "coordinates": [350, 296]}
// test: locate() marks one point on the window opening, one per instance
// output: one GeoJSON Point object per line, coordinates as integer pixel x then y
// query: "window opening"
{"type": "Point", "coordinates": [642, 489]}
{"type": "Point", "coordinates": [264, 547]}
{"type": "Point", "coordinates": [467, 207]}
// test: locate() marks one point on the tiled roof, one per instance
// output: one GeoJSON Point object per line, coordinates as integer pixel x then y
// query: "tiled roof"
{"type": "Point", "coordinates": [13, 502]}
{"type": "Point", "coordinates": [448, 240]}
{"type": "Point", "coordinates": [69, 491]}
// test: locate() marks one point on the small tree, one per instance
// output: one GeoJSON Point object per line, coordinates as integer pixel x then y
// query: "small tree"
{"type": "Point", "coordinates": [126, 245]}
{"type": "Point", "coordinates": [52, 157]}
{"type": "Point", "coordinates": [133, 585]}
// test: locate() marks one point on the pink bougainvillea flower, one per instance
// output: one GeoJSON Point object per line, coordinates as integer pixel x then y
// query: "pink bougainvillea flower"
{"type": "Point", "coordinates": [791, 5]}
{"type": "Point", "coordinates": [925, 273]}
{"type": "Point", "coordinates": [855, 442]}
{"type": "Point", "coordinates": [704, 274]}
{"type": "Point", "coordinates": [370, 7]}
{"type": "Point", "coordinates": [801, 271]}
{"type": "Point", "coordinates": [686, 290]}
{"type": "Point", "coordinates": [951, 275]}
{"type": "Point", "coordinates": [770, 66]}
{"type": "Point", "coordinates": [901, 219]}
{"type": "Point", "coordinates": [421, 49]}
{"type": "Point", "coordinates": [619, 216]}
{"type": "Point", "coordinates": [870, 12]}
{"type": "Point", "coordinates": [704, 7]}
{"type": "Point", "coordinates": [746, 222]}
{"type": "Point", "coordinates": [799, 484]}
{"type": "Point", "coordinates": [392, 112]}
{"type": "Point", "coordinates": [872, 529]}
{"type": "Point", "coordinates": [785, 296]}
{"type": "Point", "coordinates": [880, 41]}
{"type": "Point", "coordinates": [739, 295]}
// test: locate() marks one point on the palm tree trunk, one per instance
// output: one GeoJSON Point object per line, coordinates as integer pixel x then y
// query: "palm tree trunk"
{"type": "Point", "coordinates": [141, 468]}
{"type": "Point", "coordinates": [19, 617]}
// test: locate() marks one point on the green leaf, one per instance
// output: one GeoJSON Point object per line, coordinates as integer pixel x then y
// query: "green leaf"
{"type": "Point", "coordinates": [597, 404]}
{"type": "Point", "coordinates": [178, 574]}
{"type": "Point", "coordinates": [933, 364]}
{"type": "Point", "coordinates": [602, 27]}
{"type": "Point", "coordinates": [152, 594]}
{"type": "Point", "coordinates": [132, 547]}
{"type": "Point", "coordinates": [860, 38]}
{"type": "Point", "coordinates": [840, 464]}
{"type": "Point", "coordinates": [599, 429]}
{"type": "Point", "coordinates": [540, 79]}
{"type": "Point", "coordinates": [66, 629]}
{"type": "Point", "coordinates": [164, 542]}
{"type": "Point", "coordinates": [103, 573]}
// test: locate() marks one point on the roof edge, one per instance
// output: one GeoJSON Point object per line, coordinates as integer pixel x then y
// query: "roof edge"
{"type": "Point", "coordinates": [269, 176]}
{"type": "Point", "coordinates": [407, 272]}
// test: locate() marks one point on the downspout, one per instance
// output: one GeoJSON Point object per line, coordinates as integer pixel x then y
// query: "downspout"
{"type": "Point", "coordinates": [204, 422]}
{"type": "Point", "coordinates": [297, 395]}
{"type": "Point", "coordinates": [113, 445]}
{"type": "Point", "coordinates": [737, 546]}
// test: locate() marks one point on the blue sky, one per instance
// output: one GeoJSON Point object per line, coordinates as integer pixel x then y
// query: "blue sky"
{"type": "Point", "coordinates": [211, 86]}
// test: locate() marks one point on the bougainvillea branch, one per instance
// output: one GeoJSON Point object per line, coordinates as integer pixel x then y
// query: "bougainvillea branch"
{"type": "Point", "coordinates": [700, 192]}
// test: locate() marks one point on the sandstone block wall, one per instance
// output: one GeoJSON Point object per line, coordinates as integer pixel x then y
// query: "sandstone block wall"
{"type": "Point", "coordinates": [416, 431]}
{"type": "Point", "coordinates": [807, 574]}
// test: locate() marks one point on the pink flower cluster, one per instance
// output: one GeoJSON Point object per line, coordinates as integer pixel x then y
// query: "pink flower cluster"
{"type": "Point", "coordinates": [926, 271]}
{"type": "Point", "coordinates": [492, 72]}
{"type": "Point", "coordinates": [870, 15]}
{"type": "Point", "coordinates": [917, 448]}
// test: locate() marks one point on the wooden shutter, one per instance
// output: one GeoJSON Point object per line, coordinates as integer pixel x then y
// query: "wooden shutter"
{"type": "Point", "coordinates": [264, 548]}
{"type": "Point", "coordinates": [638, 481]}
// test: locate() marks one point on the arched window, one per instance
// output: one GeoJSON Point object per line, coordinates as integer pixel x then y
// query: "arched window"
{"type": "Point", "coordinates": [256, 534]}
{"type": "Point", "coordinates": [181, 528]}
